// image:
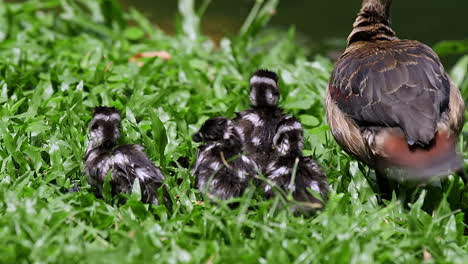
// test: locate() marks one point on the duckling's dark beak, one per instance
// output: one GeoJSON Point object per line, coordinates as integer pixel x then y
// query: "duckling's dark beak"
{"type": "Point", "coordinates": [108, 130]}
{"type": "Point", "coordinates": [108, 144]}
{"type": "Point", "coordinates": [197, 137]}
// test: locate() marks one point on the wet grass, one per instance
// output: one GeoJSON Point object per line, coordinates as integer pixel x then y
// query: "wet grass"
{"type": "Point", "coordinates": [59, 59]}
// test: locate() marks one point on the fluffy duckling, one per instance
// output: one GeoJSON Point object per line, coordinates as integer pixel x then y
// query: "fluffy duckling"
{"type": "Point", "coordinates": [288, 145]}
{"type": "Point", "coordinates": [257, 125]}
{"type": "Point", "coordinates": [127, 162]}
{"type": "Point", "coordinates": [221, 170]}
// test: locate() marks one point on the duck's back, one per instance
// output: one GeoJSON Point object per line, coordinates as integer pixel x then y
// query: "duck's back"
{"type": "Point", "coordinates": [397, 83]}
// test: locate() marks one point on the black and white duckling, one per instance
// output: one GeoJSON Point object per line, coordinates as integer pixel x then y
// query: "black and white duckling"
{"type": "Point", "coordinates": [288, 145]}
{"type": "Point", "coordinates": [126, 162]}
{"type": "Point", "coordinates": [221, 170]}
{"type": "Point", "coordinates": [257, 125]}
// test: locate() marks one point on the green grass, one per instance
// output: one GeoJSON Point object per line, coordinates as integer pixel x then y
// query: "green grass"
{"type": "Point", "coordinates": [59, 59]}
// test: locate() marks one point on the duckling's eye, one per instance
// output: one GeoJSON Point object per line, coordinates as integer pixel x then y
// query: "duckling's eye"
{"type": "Point", "coordinates": [94, 126]}
{"type": "Point", "coordinates": [280, 139]}
{"type": "Point", "coordinates": [221, 122]}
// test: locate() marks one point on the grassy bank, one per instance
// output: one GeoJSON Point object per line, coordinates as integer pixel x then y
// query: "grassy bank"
{"type": "Point", "coordinates": [59, 59]}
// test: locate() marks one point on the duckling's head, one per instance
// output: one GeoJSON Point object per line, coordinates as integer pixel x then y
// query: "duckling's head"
{"type": "Point", "coordinates": [264, 89]}
{"type": "Point", "coordinates": [289, 138]}
{"type": "Point", "coordinates": [214, 129]}
{"type": "Point", "coordinates": [104, 128]}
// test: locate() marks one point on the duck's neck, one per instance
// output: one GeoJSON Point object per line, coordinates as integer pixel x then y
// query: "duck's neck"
{"type": "Point", "coordinates": [373, 23]}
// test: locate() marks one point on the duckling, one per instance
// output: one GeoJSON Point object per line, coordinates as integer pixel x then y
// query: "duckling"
{"type": "Point", "coordinates": [288, 145]}
{"type": "Point", "coordinates": [221, 170]}
{"type": "Point", "coordinates": [127, 162]}
{"type": "Point", "coordinates": [391, 103]}
{"type": "Point", "coordinates": [257, 125]}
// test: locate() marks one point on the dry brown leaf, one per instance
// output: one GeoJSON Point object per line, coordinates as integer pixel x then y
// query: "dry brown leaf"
{"type": "Point", "coordinates": [210, 260]}
{"type": "Point", "coordinates": [108, 66]}
{"type": "Point", "coordinates": [427, 256]}
{"type": "Point", "coordinates": [311, 205]}
{"type": "Point", "coordinates": [164, 55]}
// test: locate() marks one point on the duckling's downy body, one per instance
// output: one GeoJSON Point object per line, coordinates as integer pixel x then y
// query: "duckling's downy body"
{"type": "Point", "coordinates": [391, 103]}
{"type": "Point", "coordinates": [127, 162]}
{"type": "Point", "coordinates": [221, 170]}
{"type": "Point", "coordinates": [288, 160]}
{"type": "Point", "coordinates": [257, 125]}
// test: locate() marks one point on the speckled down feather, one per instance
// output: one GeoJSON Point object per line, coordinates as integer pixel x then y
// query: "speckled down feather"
{"type": "Point", "coordinates": [127, 163]}
{"type": "Point", "coordinates": [256, 125]}
{"type": "Point", "coordinates": [221, 170]}
{"type": "Point", "coordinates": [288, 161]}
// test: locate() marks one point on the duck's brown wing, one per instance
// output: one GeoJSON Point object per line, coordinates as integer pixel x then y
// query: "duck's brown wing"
{"type": "Point", "coordinates": [392, 84]}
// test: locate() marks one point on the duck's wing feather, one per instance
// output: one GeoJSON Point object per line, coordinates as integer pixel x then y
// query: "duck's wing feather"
{"type": "Point", "coordinates": [393, 84]}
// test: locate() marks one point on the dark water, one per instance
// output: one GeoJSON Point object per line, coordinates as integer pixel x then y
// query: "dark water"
{"type": "Point", "coordinates": [429, 21]}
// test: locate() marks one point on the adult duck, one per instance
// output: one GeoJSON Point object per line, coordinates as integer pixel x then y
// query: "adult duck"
{"type": "Point", "coordinates": [391, 103]}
